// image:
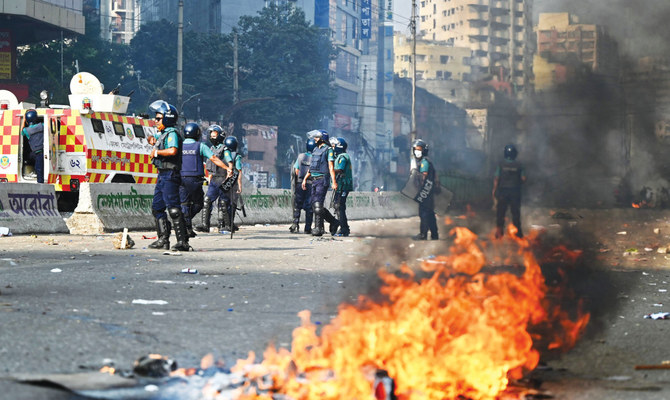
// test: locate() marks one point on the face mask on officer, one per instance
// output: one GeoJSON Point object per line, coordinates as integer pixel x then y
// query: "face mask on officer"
{"type": "Point", "coordinates": [159, 121]}
{"type": "Point", "coordinates": [418, 153]}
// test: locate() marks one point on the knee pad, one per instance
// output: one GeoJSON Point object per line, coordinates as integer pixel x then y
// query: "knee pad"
{"type": "Point", "coordinates": [318, 208]}
{"type": "Point", "coordinates": [174, 212]}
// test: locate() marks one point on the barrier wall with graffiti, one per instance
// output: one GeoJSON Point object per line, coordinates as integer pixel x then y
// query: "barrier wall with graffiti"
{"type": "Point", "coordinates": [30, 208]}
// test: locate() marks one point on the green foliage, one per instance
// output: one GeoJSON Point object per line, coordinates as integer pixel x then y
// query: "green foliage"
{"type": "Point", "coordinates": [288, 59]}
{"type": "Point", "coordinates": [39, 65]}
{"type": "Point", "coordinates": [281, 57]}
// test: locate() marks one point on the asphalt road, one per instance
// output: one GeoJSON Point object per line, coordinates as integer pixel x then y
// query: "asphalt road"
{"type": "Point", "coordinates": [72, 303]}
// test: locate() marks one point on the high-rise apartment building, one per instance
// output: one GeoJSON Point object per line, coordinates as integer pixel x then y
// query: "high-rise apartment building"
{"type": "Point", "coordinates": [563, 44]}
{"type": "Point", "coordinates": [497, 31]}
{"type": "Point", "coordinates": [119, 20]}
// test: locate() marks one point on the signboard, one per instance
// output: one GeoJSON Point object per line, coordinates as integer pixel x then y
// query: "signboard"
{"type": "Point", "coordinates": [366, 19]}
{"type": "Point", "coordinates": [5, 55]}
{"type": "Point", "coordinates": [389, 10]}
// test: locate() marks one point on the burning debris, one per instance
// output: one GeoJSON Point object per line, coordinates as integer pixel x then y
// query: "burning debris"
{"type": "Point", "coordinates": [472, 328]}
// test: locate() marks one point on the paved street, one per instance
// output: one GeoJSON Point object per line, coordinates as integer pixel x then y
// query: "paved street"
{"type": "Point", "coordinates": [73, 303]}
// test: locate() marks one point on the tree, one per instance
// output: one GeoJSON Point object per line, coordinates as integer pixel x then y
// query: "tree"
{"type": "Point", "coordinates": [288, 59]}
{"type": "Point", "coordinates": [39, 64]}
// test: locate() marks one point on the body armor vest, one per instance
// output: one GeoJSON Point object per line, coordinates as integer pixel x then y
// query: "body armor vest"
{"type": "Point", "coordinates": [304, 162]}
{"type": "Point", "coordinates": [191, 160]}
{"type": "Point", "coordinates": [172, 162]}
{"type": "Point", "coordinates": [510, 175]}
{"type": "Point", "coordinates": [214, 169]}
{"type": "Point", "coordinates": [319, 162]}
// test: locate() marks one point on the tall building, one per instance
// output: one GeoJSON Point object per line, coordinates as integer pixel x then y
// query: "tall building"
{"type": "Point", "coordinates": [497, 31]}
{"type": "Point", "coordinates": [563, 45]}
{"type": "Point", "coordinates": [119, 20]}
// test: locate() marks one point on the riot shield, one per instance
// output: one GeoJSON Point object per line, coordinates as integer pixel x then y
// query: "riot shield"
{"type": "Point", "coordinates": [417, 192]}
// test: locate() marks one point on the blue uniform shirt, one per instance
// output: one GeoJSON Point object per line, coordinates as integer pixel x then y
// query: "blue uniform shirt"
{"type": "Point", "coordinates": [228, 157]}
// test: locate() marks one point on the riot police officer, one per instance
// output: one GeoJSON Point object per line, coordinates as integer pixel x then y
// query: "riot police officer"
{"type": "Point", "coordinates": [322, 172]}
{"type": "Point", "coordinates": [302, 197]}
{"type": "Point", "coordinates": [34, 131]}
{"type": "Point", "coordinates": [232, 186]}
{"type": "Point", "coordinates": [166, 156]}
{"type": "Point", "coordinates": [426, 184]}
{"type": "Point", "coordinates": [509, 176]}
{"type": "Point", "coordinates": [217, 176]}
{"type": "Point", "coordinates": [194, 153]}
{"type": "Point", "coordinates": [345, 183]}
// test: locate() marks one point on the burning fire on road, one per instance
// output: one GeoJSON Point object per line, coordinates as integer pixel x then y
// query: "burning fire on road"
{"type": "Point", "coordinates": [467, 326]}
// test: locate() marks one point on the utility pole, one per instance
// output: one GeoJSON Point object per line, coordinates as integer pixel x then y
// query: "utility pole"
{"type": "Point", "coordinates": [236, 72]}
{"type": "Point", "coordinates": [362, 108]}
{"type": "Point", "coordinates": [413, 117]}
{"type": "Point", "coordinates": [180, 54]}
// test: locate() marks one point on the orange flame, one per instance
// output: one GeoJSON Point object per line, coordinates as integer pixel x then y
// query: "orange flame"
{"type": "Point", "coordinates": [462, 332]}
{"type": "Point", "coordinates": [635, 205]}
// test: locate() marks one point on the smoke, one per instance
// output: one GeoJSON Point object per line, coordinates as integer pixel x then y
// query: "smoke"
{"type": "Point", "coordinates": [638, 25]}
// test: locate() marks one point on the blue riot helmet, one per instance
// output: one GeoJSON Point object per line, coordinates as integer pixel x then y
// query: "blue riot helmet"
{"type": "Point", "coordinates": [216, 134]}
{"type": "Point", "coordinates": [31, 117]}
{"type": "Point", "coordinates": [311, 143]}
{"type": "Point", "coordinates": [169, 112]}
{"type": "Point", "coordinates": [510, 152]}
{"type": "Point", "coordinates": [324, 136]}
{"type": "Point", "coordinates": [192, 131]}
{"type": "Point", "coordinates": [340, 145]}
{"type": "Point", "coordinates": [422, 145]}
{"type": "Point", "coordinates": [231, 143]}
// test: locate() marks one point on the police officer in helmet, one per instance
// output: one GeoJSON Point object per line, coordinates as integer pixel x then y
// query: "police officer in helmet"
{"type": "Point", "coordinates": [217, 175]}
{"type": "Point", "coordinates": [426, 182]}
{"type": "Point", "coordinates": [167, 158]}
{"type": "Point", "coordinates": [34, 131]}
{"type": "Point", "coordinates": [230, 197]}
{"type": "Point", "coordinates": [509, 177]}
{"type": "Point", "coordinates": [194, 154]}
{"type": "Point", "coordinates": [345, 183]}
{"type": "Point", "coordinates": [322, 172]}
{"type": "Point", "coordinates": [302, 197]}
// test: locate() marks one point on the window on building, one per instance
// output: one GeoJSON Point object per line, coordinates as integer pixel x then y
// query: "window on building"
{"type": "Point", "coordinates": [423, 4]}
{"type": "Point", "coordinates": [447, 75]}
{"type": "Point", "coordinates": [255, 155]}
{"type": "Point", "coordinates": [444, 59]}
{"type": "Point", "coordinates": [444, 28]}
{"type": "Point", "coordinates": [434, 8]}
{"type": "Point", "coordinates": [434, 23]}
{"type": "Point", "coordinates": [438, 75]}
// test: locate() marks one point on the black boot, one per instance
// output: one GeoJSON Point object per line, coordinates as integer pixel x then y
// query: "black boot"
{"type": "Point", "coordinates": [334, 223]}
{"type": "Point", "coordinates": [224, 218]}
{"type": "Point", "coordinates": [206, 215]}
{"type": "Point", "coordinates": [163, 233]}
{"type": "Point", "coordinates": [309, 216]}
{"type": "Point", "coordinates": [318, 220]}
{"type": "Point", "coordinates": [179, 230]}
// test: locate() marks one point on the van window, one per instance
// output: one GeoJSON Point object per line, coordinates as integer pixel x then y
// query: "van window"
{"type": "Point", "coordinates": [139, 131]}
{"type": "Point", "coordinates": [97, 126]}
{"type": "Point", "coordinates": [118, 129]}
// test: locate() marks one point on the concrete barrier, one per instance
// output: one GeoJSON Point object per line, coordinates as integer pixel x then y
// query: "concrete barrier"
{"type": "Point", "coordinates": [109, 207]}
{"type": "Point", "coordinates": [30, 208]}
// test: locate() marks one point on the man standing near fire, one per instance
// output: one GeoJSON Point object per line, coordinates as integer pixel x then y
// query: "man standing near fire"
{"type": "Point", "coordinates": [509, 176]}
{"type": "Point", "coordinates": [166, 156]}
{"type": "Point", "coordinates": [426, 198]}
{"type": "Point", "coordinates": [322, 173]}
{"type": "Point", "coordinates": [345, 183]}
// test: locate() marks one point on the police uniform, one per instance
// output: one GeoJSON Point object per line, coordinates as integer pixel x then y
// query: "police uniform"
{"type": "Point", "coordinates": [345, 184]}
{"type": "Point", "coordinates": [35, 135]}
{"type": "Point", "coordinates": [226, 201]}
{"type": "Point", "coordinates": [214, 191]}
{"type": "Point", "coordinates": [166, 192]}
{"type": "Point", "coordinates": [302, 198]}
{"type": "Point", "coordinates": [320, 174]}
{"type": "Point", "coordinates": [428, 221]}
{"type": "Point", "coordinates": [194, 154]}
{"type": "Point", "coordinates": [510, 175]}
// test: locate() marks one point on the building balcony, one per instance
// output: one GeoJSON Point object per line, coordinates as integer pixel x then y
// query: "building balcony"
{"type": "Point", "coordinates": [480, 33]}
{"type": "Point", "coordinates": [478, 3]}
{"type": "Point", "coordinates": [484, 46]}
{"type": "Point", "coordinates": [500, 50]}
{"type": "Point", "coordinates": [119, 7]}
{"type": "Point", "coordinates": [500, 34]}
{"type": "Point", "coordinates": [480, 62]}
{"type": "Point", "coordinates": [501, 19]}
{"type": "Point", "coordinates": [519, 7]}
{"type": "Point", "coordinates": [500, 4]}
